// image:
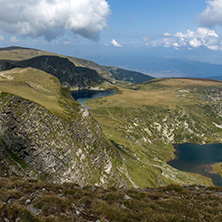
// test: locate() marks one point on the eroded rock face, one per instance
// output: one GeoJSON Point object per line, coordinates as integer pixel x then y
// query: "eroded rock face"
{"type": "Point", "coordinates": [35, 142]}
{"type": "Point", "coordinates": [69, 75]}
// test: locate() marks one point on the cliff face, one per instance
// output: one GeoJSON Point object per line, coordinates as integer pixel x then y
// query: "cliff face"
{"type": "Point", "coordinates": [38, 143]}
{"type": "Point", "coordinates": [68, 74]}
{"type": "Point", "coordinates": [59, 143]}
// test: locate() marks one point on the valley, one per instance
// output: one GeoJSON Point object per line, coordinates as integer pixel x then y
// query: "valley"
{"type": "Point", "coordinates": [135, 128]}
{"type": "Point", "coordinates": [146, 121]}
{"type": "Point", "coordinates": [110, 111]}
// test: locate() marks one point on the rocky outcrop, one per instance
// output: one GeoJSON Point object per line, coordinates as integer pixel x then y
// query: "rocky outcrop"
{"type": "Point", "coordinates": [35, 142]}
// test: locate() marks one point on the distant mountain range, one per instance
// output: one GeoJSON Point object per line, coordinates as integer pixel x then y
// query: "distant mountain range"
{"type": "Point", "coordinates": [163, 67]}
{"type": "Point", "coordinates": [167, 67]}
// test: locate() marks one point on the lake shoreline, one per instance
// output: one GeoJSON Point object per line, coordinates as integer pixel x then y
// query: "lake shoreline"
{"type": "Point", "coordinates": [194, 158]}
{"type": "Point", "coordinates": [84, 95]}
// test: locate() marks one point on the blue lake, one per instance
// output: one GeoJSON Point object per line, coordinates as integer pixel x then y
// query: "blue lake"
{"type": "Point", "coordinates": [198, 159]}
{"type": "Point", "coordinates": [83, 95]}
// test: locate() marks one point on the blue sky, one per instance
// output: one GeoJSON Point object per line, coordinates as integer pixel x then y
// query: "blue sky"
{"type": "Point", "coordinates": [102, 30]}
{"type": "Point", "coordinates": [153, 17]}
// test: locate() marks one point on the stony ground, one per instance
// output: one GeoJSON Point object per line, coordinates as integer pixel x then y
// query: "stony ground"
{"type": "Point", "coordinates": [33, 200]}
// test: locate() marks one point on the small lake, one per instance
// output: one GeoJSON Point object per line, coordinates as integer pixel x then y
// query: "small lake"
{"type": "Point", "coordinates": [83, 95]}
{"type": "Point", "coordinates": [198, 159]}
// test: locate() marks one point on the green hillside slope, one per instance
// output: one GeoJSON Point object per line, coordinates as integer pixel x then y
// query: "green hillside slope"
{"type": "Point", "coordinates": [146, 122]}
{"type": "Point", "coordinates": [69, 75]}
{"type": "Point", "coordinates": [45, 133]}
{"type": "Point", "coordinates": [110, 74]}
{"type": "Point", "coordinates": [140, 122]}
{"type": "Point", "coordinates": [36, 201]}
{"type": "Point", "coordinates": [127, 75]}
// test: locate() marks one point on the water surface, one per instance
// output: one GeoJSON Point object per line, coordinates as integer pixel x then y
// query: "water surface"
{"type": "Point", "coordinates": [198, 159]}
{"type": "Point", "coordinates": [83, 95]}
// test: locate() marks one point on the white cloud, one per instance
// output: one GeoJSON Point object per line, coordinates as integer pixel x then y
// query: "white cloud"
{"type": "Point", "coordinates": [205, 36]}
{"type": "Point", "coordinates": [115, 43]}
{"type": "Point", "coordinates": [67, 43]}
{"type": "Point", "coordinates": [1, 38]}
{"type": "Point", "coordinates": [14, 39]}
{"type": "Point", "coordinates": [212, 15]}
{"type": "Point", "coordinates": [195, 43]}
{"type": "Point", "coordinates": [51, 18]}
{"type": "Point", "coordinates": [202, 37]}
{"type": "Point", "coordinates": [176, 45]}
{"type": "Point", "coordinates": [166, 34]}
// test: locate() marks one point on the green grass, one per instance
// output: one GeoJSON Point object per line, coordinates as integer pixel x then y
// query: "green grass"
{"type": "Point", "coordinates": [130, 118]}
{"type": "Point", "coordinates": [217, 168]}
{"type": "Point", "coordinates": [37, 86]}
{"type": "Point", "coordinates": [37, 201]}
{"type": "Point", "coordinates": [17, 160]}
{"type": "Point", "coordinates": [147, 121]}
{"type": "Point", "coordinates": [23, 54]}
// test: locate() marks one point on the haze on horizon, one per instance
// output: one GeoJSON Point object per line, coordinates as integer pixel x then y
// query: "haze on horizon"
{"type": "Point", "coordinates": [111, 32]}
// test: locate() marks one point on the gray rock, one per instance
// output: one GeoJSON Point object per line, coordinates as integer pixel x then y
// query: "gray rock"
{"type": "Point", "coordinates": [28, 201]}
{"type": "Point", "coordinates": [43, 144]}
{"type": "Point", "coordinates": [126, 197]}
{"type": "Point", "coordinates": [11, 200]}
{"type": "Point", "coordinates": [34, 210]}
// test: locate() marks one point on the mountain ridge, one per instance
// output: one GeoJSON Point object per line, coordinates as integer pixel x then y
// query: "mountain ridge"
{"type": "Point", "coordinates": [68, 74]}
{"type": "Point", "coordinates": [128, 75]}
{"type": "Point", "coordinates": [18, 54]}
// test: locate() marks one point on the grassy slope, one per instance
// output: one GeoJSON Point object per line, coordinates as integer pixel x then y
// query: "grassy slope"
{"type": "Point", "coordinates": [16, 53]}
{"type": "Point", "coordinates": [23, 54]}
{"type": "Point", "coordinates": [37, 86]}
{"type": "Point", "coordinates": [217, 168]}
{"type": "Point", "coordinates": [36, 201]}
{"type": "Point", "coordinates": [155, 98]}
{"type": "Point", "coordinates": [128, 75]}
{"type": "Point", "coordinates": [147, 121]}
{"type": "Point", "coordinates": [45, 90]}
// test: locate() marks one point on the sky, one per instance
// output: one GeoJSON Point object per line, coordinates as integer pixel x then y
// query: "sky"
{"type": "Point", "coordinates": [106, 31]}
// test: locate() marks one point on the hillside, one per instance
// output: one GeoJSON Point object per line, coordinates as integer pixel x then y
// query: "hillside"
{"type": "Point", "coordinates": [68, 74]}
{"type": "Point", "coordinates": [147, 120]}
{"type": "Point", "coordinates": [36, 201]}
{"type": "Point", "coordinates": [140, 123]}
{"type": "Point", "coordinates": [20, 54]}
{"type": "Point", "coordinates": [156, 66]}
{"type": "Point", "coordinates": [127, 75]}
{"type": "Point", "coordinates": [48, 135]}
